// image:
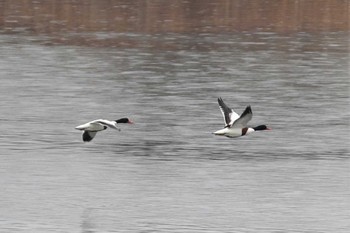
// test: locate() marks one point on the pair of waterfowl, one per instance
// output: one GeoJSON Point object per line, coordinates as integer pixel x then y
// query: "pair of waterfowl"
{"type": "Point", "coordinates": [235, 125]}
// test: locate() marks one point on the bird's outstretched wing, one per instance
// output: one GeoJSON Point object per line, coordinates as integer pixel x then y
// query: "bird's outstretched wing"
{"type": "Point", "coordinates": [242, 121]}
{"type": "Point", "coordinates": [111, 124]}
{"type": "Point", "coordinates": [229, 115]}
{"type": "Point", "coordinates": [88, 135]}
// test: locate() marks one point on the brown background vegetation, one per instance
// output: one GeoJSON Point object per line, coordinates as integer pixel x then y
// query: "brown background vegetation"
{"type": "Point", "coordinates": [183, 16]}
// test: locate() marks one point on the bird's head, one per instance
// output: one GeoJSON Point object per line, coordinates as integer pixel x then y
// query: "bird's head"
{"type": "Point", "coordinates": [261, 127]}
{"type": "Point", "coordinates": [124, 120]}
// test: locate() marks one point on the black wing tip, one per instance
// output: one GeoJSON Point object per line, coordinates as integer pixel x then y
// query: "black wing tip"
{"type": "Point", "coordinates": [220, 101]}
{"type": "Point", "coordinates": [87, 137]}
{"type": "Point", "coordinates": [248, 110]}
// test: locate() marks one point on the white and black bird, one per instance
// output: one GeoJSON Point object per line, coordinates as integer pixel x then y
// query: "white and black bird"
{"type": "Point", "coordinates": [235, 125]}
{"type": "Point", "coordinates": [92, 127]}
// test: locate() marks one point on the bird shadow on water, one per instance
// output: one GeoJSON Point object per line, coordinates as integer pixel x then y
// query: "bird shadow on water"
{"type": "Point", "coordinates": [166, 150]}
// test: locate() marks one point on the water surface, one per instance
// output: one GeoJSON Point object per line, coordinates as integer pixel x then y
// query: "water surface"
{"type": "Point", "coordinates": [167, 172]}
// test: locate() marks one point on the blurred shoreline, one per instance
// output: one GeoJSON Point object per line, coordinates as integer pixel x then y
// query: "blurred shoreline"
{"type": "Point", "coordinates": [78, 21]}
{"type": "Point", "coordinates": [178, 16]}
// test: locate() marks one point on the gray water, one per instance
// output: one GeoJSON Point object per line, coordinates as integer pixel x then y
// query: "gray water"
{"type": "Point", "coordinates": [167, 172]}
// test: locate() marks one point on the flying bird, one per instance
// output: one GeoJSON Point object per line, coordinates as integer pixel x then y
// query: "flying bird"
{"type": "Point", "coordinates": [236, 125]}
{"type": "Point", "coordinates": [91, 128]}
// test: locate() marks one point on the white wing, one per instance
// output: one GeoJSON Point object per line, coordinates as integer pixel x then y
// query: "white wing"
{"type": "Point", "coordinates": [91, 126]}
{"type": "Point", "coordinates": [111, 124]}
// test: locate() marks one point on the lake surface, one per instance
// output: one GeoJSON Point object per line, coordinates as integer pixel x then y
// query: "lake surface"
{"type": "Point", "coordinates": [167, 172]}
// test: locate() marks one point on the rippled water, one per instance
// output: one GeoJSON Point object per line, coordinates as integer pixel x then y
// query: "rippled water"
{"type": "Point", "coordinates": [167, 172]}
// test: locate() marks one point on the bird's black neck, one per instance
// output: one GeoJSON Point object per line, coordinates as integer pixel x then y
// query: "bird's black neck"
{"type": "Point", "coordinates": [122, 120]}
{"type": "Point", "coordinates": [260, 127]}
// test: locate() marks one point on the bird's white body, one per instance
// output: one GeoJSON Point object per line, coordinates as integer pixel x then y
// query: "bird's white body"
{"type": "Point", "coordinates": [91, 128]}
{"type": "Point", "coordinates": [97, 125]}
{"type": "Point", "coordinates": [234, 132]}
